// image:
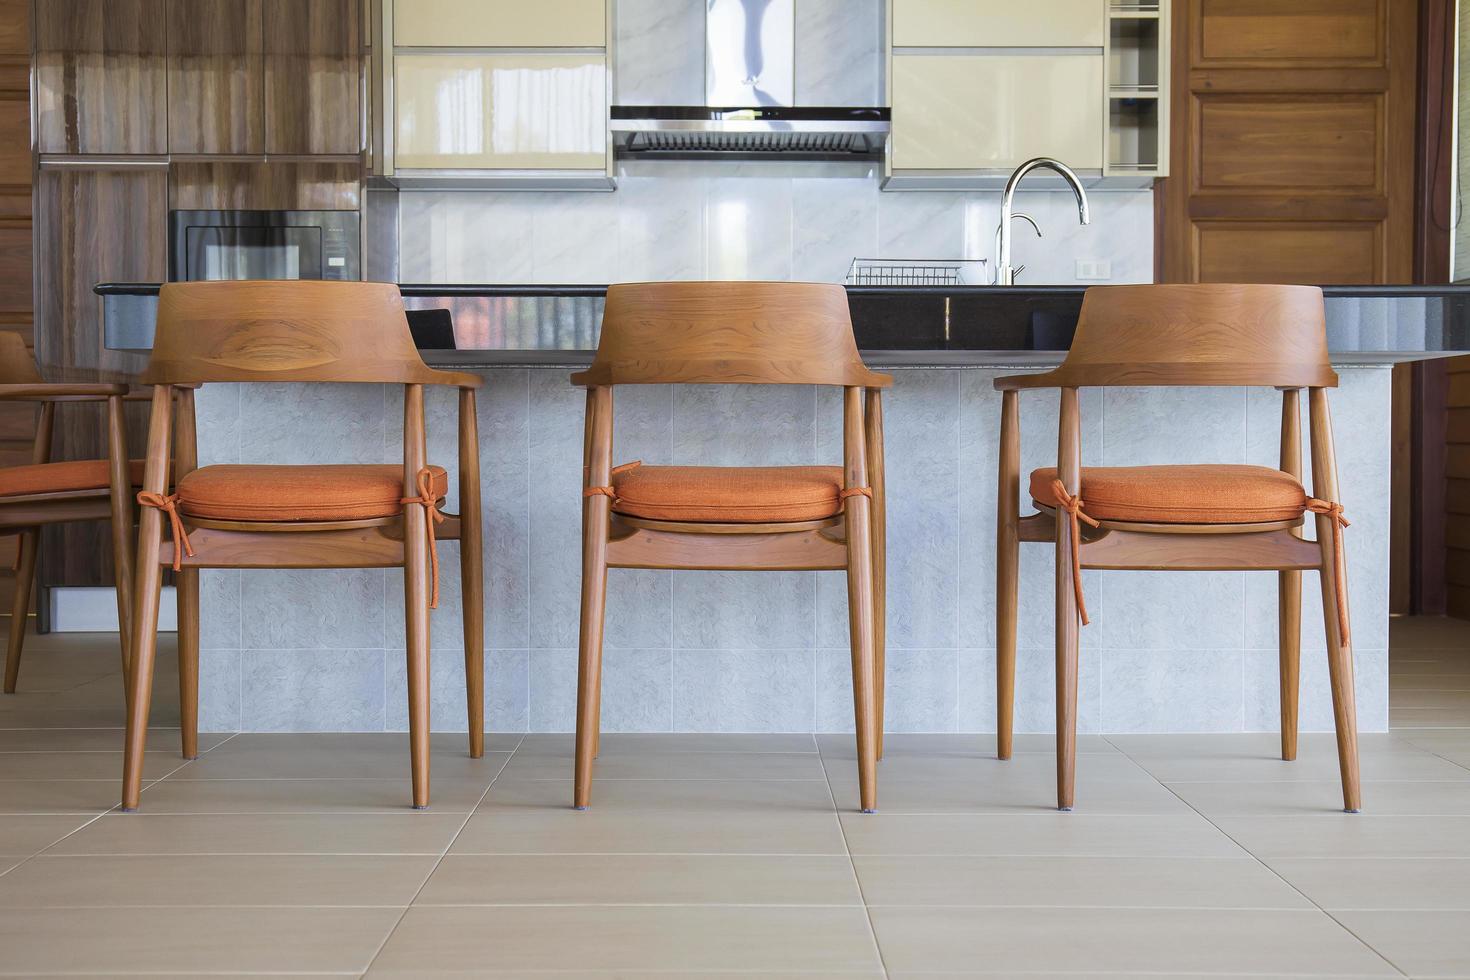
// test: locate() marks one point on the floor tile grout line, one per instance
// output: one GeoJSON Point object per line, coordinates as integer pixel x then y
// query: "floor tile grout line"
{"type": "Point", "coordinates": [99, 816]}
{"type": "Point", "coordinates": [1343, 926]}
{"type": "Point", "coordinates": [851, 864]}
{"type": "Point", "coordinates": [445, 853]}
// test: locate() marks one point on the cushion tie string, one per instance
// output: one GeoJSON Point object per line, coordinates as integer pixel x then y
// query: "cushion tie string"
{"type": "Point", "coordinates": [1333, 512]}
{"type": "Point", "coordinates": [1073, 506]}
{"type": "Point", "coordinates": [169, 505]}
{"type": "Point", "coordinates": [855, 492]}
{"type": "Point", "coordinates": [432, 515]}
{"type": "Point", "coordinates": [608, 491]}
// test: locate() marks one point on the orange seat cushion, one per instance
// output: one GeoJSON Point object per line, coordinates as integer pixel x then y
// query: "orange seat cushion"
{"type": "Point", "coordinates": [1200, 494]}
{"type": "Point", "coordinates": [729, 494]}
{"type": "Point", "coordinates": [80, 474]}
{"type": "Point", "coordinates": [297, 493]}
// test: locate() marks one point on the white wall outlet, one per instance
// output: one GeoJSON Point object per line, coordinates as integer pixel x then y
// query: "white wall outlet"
{"type": "Point", "coordinates": [1094, 269]}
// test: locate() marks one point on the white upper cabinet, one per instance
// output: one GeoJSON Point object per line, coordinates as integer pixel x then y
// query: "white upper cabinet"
{"type": "Point", "coordinates": [978, 87]}
{"type": "Point", "coordinates": [500, 23]}
{"type": "Point", "coordinates": [998, 23]}
{"type": "Point", "coordinates": [501, 112]}
{"type": "Point", "coordinates": [979, 112]}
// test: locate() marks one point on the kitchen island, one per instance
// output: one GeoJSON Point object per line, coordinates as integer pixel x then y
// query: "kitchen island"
{"type": "Point", "coordinates": [727, 651]}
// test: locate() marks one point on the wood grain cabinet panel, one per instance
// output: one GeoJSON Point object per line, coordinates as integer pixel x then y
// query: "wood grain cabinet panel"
{"type": "Point", "coordinates": [275, 185]}
{"type": "Point", "coordinates": [313, 76]}
{"type": "Point", "coordinates": [1253, 142]}
{"type": "Point", "coordinates": [501, 23]}
{"type": "Point", "coordinates": [100, 70]}
{"type": "Point", "coordinates": [1291, 30]}
{"type": "Point", "coordinates": [216, 76]}
{"type": "Point", "coordinates": [998, 23]}
{"type": "Point", "coordinates": [91, 226]}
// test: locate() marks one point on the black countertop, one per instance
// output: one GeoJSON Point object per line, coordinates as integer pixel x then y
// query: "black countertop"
{"type": "Point", "coordinates": [896, 326]}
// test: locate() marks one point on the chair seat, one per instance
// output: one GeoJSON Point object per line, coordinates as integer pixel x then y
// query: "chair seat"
{"type": "Point", "coordinates": [1196, 494]}
{"type": "Point", "coordinates": [297, 493]}
{"type": "Point", "coordinates": [729, 494]}
{"type": "Point", "coordinates": [72, 475]}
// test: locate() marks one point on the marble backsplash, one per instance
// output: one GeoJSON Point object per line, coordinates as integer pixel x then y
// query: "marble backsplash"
{"type": "Point", "coordinates": [729, 651]}
{"type": "Point", "coordinates": [679, 220]}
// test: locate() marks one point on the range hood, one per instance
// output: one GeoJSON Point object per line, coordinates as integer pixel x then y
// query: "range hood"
{"type": "Point", "coordinates": [750, 91]}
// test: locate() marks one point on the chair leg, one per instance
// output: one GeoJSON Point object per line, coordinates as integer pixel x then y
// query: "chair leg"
{"type": "Point", "coordinates": [25, 575]}
{"type": "Point", "coordinates": [1289, 642]}
{"type": "Point", "coordinates": [1067, 638]}
{"type": "Point", "coordinates": [186, 585]}
{"type": "Point", "coordinates": [589, 652]}
{"type": "Point", "coordinates": [1344, 702]}
{"type": "Point", "coordinates": [144, 644]}
{"type": "Point", "coordinates": [416, 620]}
{"type": "Point", "coordinates": [1007, 572]}
{"type": "Point", "coordinates": [864, 650]}
{"type": "Point", "coordinates": [472, 570]}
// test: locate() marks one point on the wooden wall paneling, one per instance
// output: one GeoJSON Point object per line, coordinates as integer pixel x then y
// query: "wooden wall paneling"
{"type": "Point", "coordinates": [100, 69]}
{"type": "Point", "coordinates": [1457, 488]}
{"type": "Point", "coordinates": [91, 225]}
{"type": "Point", "coordinates": [1292, 142]}
{"type": "Point", "coordinates": [17, 422]}
{"type": "Point", "coordinates": [216, 71]}
{"type": "Point", "coordinates": [313, 76]}
{"type": "Point", "coordinates": [277, 185]}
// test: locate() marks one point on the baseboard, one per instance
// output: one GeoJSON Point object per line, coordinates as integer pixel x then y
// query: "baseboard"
{"type": "Point", "coordinates": [76, 609]}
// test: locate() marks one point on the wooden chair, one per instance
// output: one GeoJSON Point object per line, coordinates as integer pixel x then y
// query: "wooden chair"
{"type": "Point", "coordinates": [46, 492]}
{"type": "Point", "coordinates": [765, 518]}
{"type": "Point", "coordinates": [298, 516]}
{"type": "Point", "coordinates": [1203, 518]}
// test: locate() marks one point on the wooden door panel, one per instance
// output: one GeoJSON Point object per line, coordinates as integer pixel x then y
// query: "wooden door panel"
{"type": "Point", "coordinates": [1292, 142]}
{"type": "Point", "coordinates": [1290, 30]}
{"type": "Point", "coordinates": [1238, 251]}
{"type": "Point", "coordinates": [1253, 142]}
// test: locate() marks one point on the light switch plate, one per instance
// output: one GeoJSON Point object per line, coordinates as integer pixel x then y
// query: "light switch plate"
{"type": "Point", "coordinates": [1094, 269]}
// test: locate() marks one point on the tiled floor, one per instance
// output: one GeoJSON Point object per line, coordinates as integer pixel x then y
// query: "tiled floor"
{"type": "Point", "coordinates": [720, 857]}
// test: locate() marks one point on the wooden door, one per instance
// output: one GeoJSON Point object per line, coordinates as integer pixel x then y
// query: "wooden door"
{"type": "Point", "coordinates": [216, 89]}
{"type": "Point", "coordinates": [313, 76]}
{"type": "Point", "coordinates": [1292, 155]}
{"type": "Point", "coordinates": [100, 76]}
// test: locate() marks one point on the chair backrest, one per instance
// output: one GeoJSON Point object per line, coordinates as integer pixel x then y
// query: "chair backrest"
{"type": "Point", "coordinates": [1199, 334]}
{"type": "Point", "coordinates": [17, 366]}
{"type": "Point", "coordinates": [727, 333]}
{"type": "Point", "coordinates": [286, 330]}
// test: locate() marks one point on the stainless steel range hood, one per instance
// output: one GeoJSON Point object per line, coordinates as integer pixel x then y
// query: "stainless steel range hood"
{"type": "Point", "coordinates": [750, 91]}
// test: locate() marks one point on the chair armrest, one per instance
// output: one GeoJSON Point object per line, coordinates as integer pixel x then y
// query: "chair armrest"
{"type": "Point", "coordinates": [1019, 382]}
{"type": "Point", "coordinates": [63, 392]}
{"type": "Point", "coordinates": [454, 379]}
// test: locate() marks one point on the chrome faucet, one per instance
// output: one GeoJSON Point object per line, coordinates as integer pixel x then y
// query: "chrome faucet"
{"type": "Point", "coordinates": [1034, 227]}
{"type": "Point", "coordinates": [1004, 274]}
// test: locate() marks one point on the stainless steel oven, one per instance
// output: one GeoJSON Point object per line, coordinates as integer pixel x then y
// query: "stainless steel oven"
{"type": "Point", "coordinates": [263, 245]}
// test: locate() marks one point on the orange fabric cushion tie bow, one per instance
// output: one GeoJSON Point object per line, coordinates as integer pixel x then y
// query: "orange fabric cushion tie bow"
{"type": "Point", "coordinates": [1073, 506]}
{"type": "Point", "coordinates": [431, 511]}
{"type": "Point", "coordinates": [609, 491]}
{"type": "Point", "coordinates": [1333, 512]}
{"type": "Point", "coordinates": [170, 506]}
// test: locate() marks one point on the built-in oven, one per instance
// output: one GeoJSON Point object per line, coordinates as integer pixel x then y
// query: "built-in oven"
{"type": "Point", "coordinates": [263, 245]}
